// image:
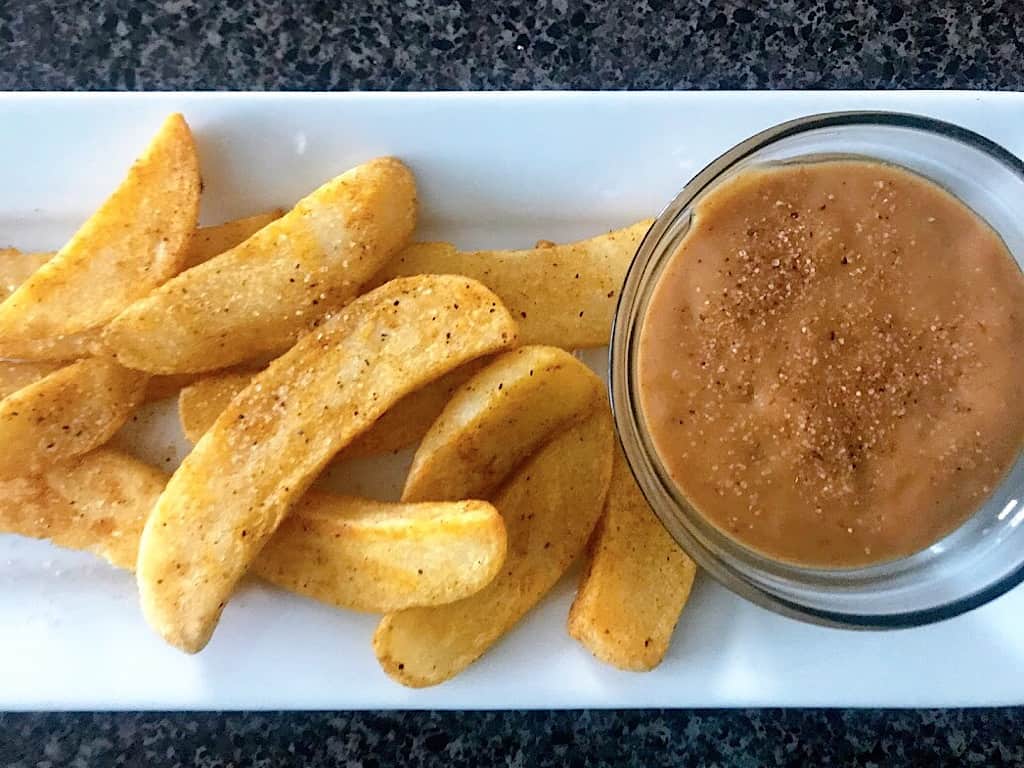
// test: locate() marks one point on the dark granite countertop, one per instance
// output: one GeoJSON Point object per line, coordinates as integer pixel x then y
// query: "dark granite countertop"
{"type": "Point", "coordinates": [456, 44]}
{"type": "Point", "coordinates": [471, 44]}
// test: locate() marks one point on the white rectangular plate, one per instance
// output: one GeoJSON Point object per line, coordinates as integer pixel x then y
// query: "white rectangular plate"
{"type": "Point", "coordinates": [497, 170]}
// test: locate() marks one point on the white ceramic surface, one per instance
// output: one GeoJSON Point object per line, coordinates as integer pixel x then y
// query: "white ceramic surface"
{"type": "Point", "coordinates": [494, 170]}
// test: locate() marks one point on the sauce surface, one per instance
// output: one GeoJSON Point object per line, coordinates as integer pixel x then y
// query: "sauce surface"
{"type": "Point", "coordinates": [831, 366]}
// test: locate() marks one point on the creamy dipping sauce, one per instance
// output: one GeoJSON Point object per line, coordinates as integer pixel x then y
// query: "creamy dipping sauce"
{"type": "Point", "coordinates": [831, 366]}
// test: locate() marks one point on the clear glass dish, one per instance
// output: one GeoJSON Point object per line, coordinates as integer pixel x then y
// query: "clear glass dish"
{"type": "Point", "coordinates": [974, 564]}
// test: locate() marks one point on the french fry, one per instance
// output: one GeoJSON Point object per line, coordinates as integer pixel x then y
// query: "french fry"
{"type": "Point", "coordinates": [131, 244]}
{"type": "Point", "coordinates": [216, 239]}
{"type": "Point", "coordinates": [497, 419]}
{"type": "Point", "coordinates": [200, 403]}
{"type": "Point", "coordinates": [236, 486]}
{"type": "Point", "coordinates": [562, 295]}
{"type": "Point", "coordinates": [64, 414]}
{"type": "Point", "coordinates": [351, 553]}
{"type": "Point", "coordinates": [163, 387]}
{"type": "Point", "coordinates": [405, 423]}
{"type": "Point", "coordinates": [260, 296]}
{"type": "Point", "coordinates": [66, 348]}
{"type": "Point", "coordinates": [208, 242]}
{"type": "Point", "coordinates": [15, 374]}
{"type": "Point", "coordinates": [16, 267]}
{"type": "Point", "coordinates": [96, 502]}
{"type": "Point", "coordinates": [636, 583]}
{"type": "Point", "coordinates": [402, 425]}
{"type": "Point", "coordinates": [550, 506]}
{"type": "Point", "coordinates": [373, 556]}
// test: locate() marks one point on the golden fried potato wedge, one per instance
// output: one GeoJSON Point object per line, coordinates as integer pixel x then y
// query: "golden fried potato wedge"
{"type": "Point", "coordinates": [260, 296]}
{"type": "Point", "coordinates": [236, 486]}
{"type": "Point", "coordinates": [216, 239]}
{"type": "Point", "coordinates": [497, 419]}
{"type": "Point", "coordinates": [65, 413]}
{"type": "Point", "coordinates": [15, 374]}
{"type": "Point", "coordinates": [134, 242]}
{"type": "Point", "coordinates": [163, 387]}
{"type": "Point", "coordinates": [562, 295]}
{"type": "Point", "coordinates": [72, 346]}
{"type": "Point", "coordinates": [16, 267]}
{"type": "Point", "coordinates": [351, 553]}
{"type": "Point", "coordinates": [405, 423]}
{"type": "Point", "coordinates": [372, 556]}
{"type": "Point", "coordinates": [402, 425]}
{"type": "Point", "coordinates": [636, 583]}
{"type": "Point", "coordinates": [550, 506]}
{"type": "Point", "coordinates": [207, 243]}
{"type": "Point", "coordinates": [200, 403]}
{"type": "Point", "coordinates": [97, 502]}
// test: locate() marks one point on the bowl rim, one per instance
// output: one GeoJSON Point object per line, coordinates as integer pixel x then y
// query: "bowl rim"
{"type": "Point", "coordinates": [626, 413]}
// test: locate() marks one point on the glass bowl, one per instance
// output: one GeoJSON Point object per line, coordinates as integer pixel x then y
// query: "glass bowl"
{"type": "Point", "coordinates": [977, 562]}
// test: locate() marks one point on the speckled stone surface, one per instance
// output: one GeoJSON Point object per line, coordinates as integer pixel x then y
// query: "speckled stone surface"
{"type": "Point", "coordinates": [454, 44]}
{"type": "Point", "coordinates": [415, 44]}
{"type": "Point", "coordinates": [747, 739]}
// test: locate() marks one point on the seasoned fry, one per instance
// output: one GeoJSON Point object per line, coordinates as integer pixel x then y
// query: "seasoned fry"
{"type": "Point", "coordinates": [497, 419]}
{"type": "Point", "coordinates": [636, 583]}
{"type": "Point", "coordinates": [550, 506]}
{"type": "Point", "coordinates": [131, 244]}
{"type": "Point", "coordinates": [562, 295]}
{"type": "Point", "coordinates": [405, 423]}
{"type": "Point", "coordinates": [15, 374]}
{"type": "Point", "coordinates": [260, 296]}
{"type": "Point", "coordinates": [64, 414]}
{"type": "Point", "coordinates": [236, 486]}
{"type": "Point", "coordinates": [96, 502]}
{"type": "Point", "coordinates": [16, 267]}
{"type": "Point", "coordinates": [163, 387]}
{"type": "Point", "coordinates": [215, 240]}
{"type": "Point", "coordinates": [402, 425]}
{"type": "Point", "coordinates": [351, 553]}
{"type": "Point", "coordinates": [72, 346]}
{"type": "Point", "coordinates": [200, 403]}
{"type": "Point", "coordinates": [371, 556]}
